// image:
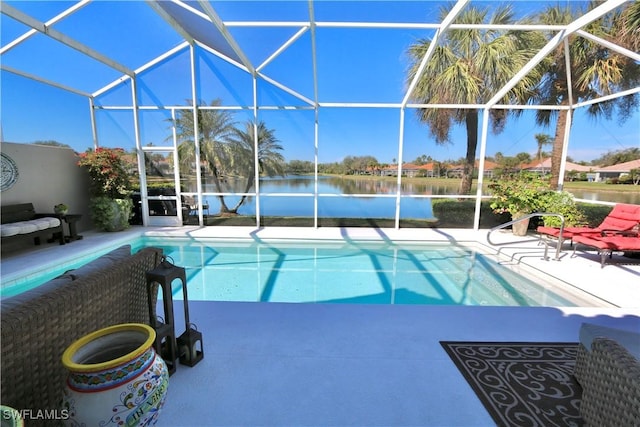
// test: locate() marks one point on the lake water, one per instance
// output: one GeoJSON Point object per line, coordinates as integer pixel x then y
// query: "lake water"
{"type": "Point", "coordinates": [293, 196]}
{"type": "Point", "coordinates": [609, 196]}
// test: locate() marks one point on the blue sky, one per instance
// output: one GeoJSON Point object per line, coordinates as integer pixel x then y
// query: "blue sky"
{"type": "Point", "coordinates": [354, 65]}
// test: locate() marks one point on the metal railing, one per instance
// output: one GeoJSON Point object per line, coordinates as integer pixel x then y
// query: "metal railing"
{"type": "Point", "coordinates": [545, 241]}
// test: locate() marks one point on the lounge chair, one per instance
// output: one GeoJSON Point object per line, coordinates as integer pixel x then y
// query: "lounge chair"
{"type": "Point", "coordinates": [622, 217]}
{"type": "Point", "coordinates": [606, 244]}
{"type": "Point", "coordinates": [192, 205]}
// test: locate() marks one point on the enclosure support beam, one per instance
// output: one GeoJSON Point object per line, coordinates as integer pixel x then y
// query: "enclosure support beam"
{"type": "Point", "coordinates": [256, 149]}
{"type": "Point", "coordinates": [483, 154]}
{"type": "Point", "coordinates": [6, 48]}
{"type": "Point", "coordinates": [196, 133]}
{"type": "Point", "coordinates": [142, 171]}
{"type": "Point", "coordinates": [62, 38]}
{"type": "Point", "coordinates": [45, 81]}
{"type": "Point", "coordinates": [312, 26]}
{"type": "Point", "coordinates": [94, 124]}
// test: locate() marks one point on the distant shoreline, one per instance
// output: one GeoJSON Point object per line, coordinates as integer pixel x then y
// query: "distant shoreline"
{"type": "Point", "coordinates": [568, 185]}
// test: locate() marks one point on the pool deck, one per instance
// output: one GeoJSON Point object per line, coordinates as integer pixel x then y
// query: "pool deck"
{"type": "Point", "coordinates": [272, 364]}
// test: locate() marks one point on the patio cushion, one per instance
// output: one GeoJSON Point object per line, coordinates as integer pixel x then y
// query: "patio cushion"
{"type": "Point", "coordinates": [568, 231]}
{"type": "Point", "coordinates": [53, 222]}
{"type": "Point", "coordinates": [623, 216]}
{"type": "Point", "coordinates": [26, 227]}
{"type": "Point", "coordinates": [99, 264]}
{"type": "Point", "coordinates": [7, 230]}
{"type": "Point", "coordinates": [42, 224]}
{"type": "Point", "coordinates": [23, 298]}
{"type": "Point", "coordinates": [613, 243]}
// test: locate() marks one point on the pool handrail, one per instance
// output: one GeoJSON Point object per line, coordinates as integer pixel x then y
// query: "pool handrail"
{"type": "Point", "coordinates": [526, 217]}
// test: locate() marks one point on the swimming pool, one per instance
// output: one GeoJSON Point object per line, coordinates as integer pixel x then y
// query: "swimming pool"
{"type": "Point", "coordinates": [343, 272]}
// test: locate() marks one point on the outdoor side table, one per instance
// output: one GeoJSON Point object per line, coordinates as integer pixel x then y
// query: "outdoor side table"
{"type": "Point", "coordinates": [71, 221]}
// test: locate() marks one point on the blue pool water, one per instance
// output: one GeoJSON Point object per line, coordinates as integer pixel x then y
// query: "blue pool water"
{"type": "Point", "coordinates": [347, 272]}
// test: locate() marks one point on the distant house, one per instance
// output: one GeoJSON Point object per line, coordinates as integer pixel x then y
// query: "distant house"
{"type": "Point", "coordinates": [411, 170]}
{"type": "Point", "coordinates": [616, 171]}
{"type": "Point", "coordinates": [433, 169]}
{"type": "Point", "coordinates": [541, 167]}
{"type": "Point", "coordinates": [390, 170]}
{"type": "Point", "coordinates": [544, 167]}
{"type": "Point", "coordinates": [489, 168]}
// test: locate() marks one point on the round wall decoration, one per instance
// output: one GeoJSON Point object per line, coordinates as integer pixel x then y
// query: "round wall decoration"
{"type": "Point", "coordinates": [9, 172]}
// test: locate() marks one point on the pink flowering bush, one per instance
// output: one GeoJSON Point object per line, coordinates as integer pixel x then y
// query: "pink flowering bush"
{"type": "Point", "coordinates": [111, 205]}
{"type": "Point", "coordinates": [107, 170]}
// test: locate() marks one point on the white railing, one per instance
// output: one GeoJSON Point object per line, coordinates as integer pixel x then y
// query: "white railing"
{"type": "Point", "coordinates": [545, 241]}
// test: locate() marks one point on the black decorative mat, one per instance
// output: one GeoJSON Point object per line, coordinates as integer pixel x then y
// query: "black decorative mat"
{"type": "Point", "coordinates": [522, 383]}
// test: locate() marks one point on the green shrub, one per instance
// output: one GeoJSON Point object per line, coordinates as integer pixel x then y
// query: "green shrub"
{"type": "Point", "coordinates": [523, 193]}
{"type": "Point", "coordinates": [563, 203]}
{"type": "Point", "coordinates": [111, 214]}
{"type": "Point", "coordinates": [625, 179]}
{"type": "Point", "coordinates": [460, 213]}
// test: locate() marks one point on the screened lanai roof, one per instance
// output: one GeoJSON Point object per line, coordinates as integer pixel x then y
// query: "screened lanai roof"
{"type": "Point", "coordinates": [111, 41]}
{"type": "Point", "coordinates": [324, 59]}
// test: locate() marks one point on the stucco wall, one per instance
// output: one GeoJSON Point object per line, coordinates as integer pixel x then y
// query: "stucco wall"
{"type": "Point", "coordinates": [48, 176]}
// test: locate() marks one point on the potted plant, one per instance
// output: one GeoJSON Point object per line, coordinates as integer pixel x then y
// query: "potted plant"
{"type": "Point", "coordinates": [110, 202]}
{"type": "Point", "coordinates": [519, 195]}
{"type": "Point", "coordinates": [61, 209]}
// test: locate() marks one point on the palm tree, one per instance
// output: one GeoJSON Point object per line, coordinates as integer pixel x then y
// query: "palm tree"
{"type": "Point", "coordinates": [542, 139]}
{"type": "Point", "coordinates": [595, 71]}
{"type": "Point", "coordinates": [214, 129]}
{"type": "Point", "coordinates": [469, 67]}
{"type": "Point", "coordinates": [627, 29]}
{"type": "Point", "coordinates": [242, 150]}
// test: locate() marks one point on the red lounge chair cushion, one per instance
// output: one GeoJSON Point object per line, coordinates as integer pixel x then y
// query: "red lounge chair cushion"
{"type": "Point", "coordinates": [568, 231]}
{"type": "Point", "coordinates": [614, 243]}
{"type": "Point", "coordinates": [622, 217]}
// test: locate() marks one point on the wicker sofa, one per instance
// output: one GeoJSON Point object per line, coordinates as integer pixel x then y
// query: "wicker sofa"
{"type": "Point", "coordinates": [39, 324]}
{"type": "Point", "coordinates": [608, 369]}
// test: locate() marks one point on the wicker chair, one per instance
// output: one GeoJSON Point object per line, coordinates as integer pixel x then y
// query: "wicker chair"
{"type": "Point", "coordinates": [38, 325]}
{"type": "Point", "coordinates": [610, 378]}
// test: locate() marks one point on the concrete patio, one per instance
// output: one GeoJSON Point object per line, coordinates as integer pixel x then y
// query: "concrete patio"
{"type": "Point", "coordinates": [272, 364]}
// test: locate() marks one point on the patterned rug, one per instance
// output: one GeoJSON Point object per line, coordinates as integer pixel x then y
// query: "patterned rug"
{"type": "Point", "coordinates": [522, 383]}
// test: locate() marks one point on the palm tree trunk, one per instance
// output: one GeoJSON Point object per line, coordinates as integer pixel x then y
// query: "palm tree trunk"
{"type": "Point", "coordinates": [539, 153]}
{"type": "Point", "coordinates": [558, 143]}
{"type": "Point", "coordinates": [250, 180]}
{"type": "Point", "coordinates": [216, 181]}
{"type": "Point", "coordinates": [472, 144]}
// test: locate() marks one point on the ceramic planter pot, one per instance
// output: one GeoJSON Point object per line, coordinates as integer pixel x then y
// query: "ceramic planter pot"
{"type": "Point", "coordinates": [520, 228]}
{"type": "Point", "coordinates": [115, 377]}
{"type": "Point", "coordinates": [10, 417]}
